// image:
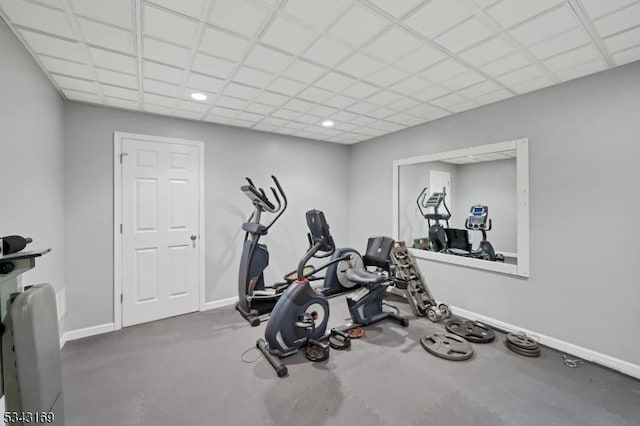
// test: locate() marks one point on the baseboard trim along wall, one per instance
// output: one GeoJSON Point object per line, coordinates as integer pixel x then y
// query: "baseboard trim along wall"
{"type": "Point", "coordinates": [86, 332]}
{"type": "Point", "coordinates": [622, 366]}
{"type": "Point", "coordinates": [219, 303]}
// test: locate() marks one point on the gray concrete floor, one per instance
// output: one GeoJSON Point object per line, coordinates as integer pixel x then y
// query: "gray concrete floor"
{"type": "Point", "coordinates": [188, 370]}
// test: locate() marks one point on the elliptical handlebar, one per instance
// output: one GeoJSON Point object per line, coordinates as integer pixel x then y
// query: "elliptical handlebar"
{"type": "Point", "coordinates": [420, 200]}
{"type": "Point", "coordinates": [422, 204]}
{"type": "Point", "coordinates": [261, 201]}
{"type": "Point", "coordinates": [282, 206]}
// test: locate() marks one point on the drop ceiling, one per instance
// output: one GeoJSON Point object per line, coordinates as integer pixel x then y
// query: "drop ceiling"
{"type": "Point", "coordinates": [373, 67]}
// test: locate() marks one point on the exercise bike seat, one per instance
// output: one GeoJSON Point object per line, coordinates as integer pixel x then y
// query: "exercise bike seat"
{"type": "Point", "coordinates": [360, 276]}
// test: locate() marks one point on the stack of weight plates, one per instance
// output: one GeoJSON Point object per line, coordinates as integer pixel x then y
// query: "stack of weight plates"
{"type": "Point", "coordinates": [523, 345]}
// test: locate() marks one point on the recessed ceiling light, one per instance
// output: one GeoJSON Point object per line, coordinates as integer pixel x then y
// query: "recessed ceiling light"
{"type": "Point", "coordinates": [199, 96]}
{"type": "Point", "coordinates": [327, 123]}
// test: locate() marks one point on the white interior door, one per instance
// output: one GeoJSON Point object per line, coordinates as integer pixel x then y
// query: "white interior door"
{"type": "Point", "coordinates": [160, 226]}
{"type": "Point", "coordinates": [439, 180]}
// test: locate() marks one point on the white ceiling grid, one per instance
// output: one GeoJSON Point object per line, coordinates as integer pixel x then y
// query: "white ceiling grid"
{"type": "Point", "coordinates": [283, 66]}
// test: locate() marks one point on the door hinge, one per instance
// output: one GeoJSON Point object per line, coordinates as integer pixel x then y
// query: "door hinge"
{"type": "Point", "coordinates": [121, 228]}
{"type": "Point", "coordinates": [122, 155]}
{"type": "Point", "coordinates": [121, 298]}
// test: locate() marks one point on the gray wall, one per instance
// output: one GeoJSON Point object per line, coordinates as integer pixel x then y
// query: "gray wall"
{"type": "Point", "coordinates": [492, 183]}
{"type": "Point", "coordinates": [584, 146]}
{"type": "Point", "coordinates": [313, 174]}
{"type": "Point", "coordinates": [31, 159]}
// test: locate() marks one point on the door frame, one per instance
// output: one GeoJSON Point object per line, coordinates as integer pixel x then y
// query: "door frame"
{"type": "Point", "coordinates": [117, 216]}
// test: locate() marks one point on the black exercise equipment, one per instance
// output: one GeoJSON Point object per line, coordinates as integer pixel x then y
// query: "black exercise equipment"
{"type": "Point", "coordinates": [473, 331]}
{"type": "Point", "coordinates": [299, 318]}
{"type": "Point", "coordinates": [523, 345]}
{"type": "Point", "coordinates": [13, 244]}
{"type": "Point", "coordinates": [437, 237]}
{"type": "Point", "coordinates": [458, 241]}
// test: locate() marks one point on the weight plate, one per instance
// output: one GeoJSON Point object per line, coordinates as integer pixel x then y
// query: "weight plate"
{"type": "Point", "coordinates": [444, 310]}
{"type": "Point", "coordinates": [317, 353]}
{"type": "Point", "coordinates": [474, 332]}
{"type": "Point", "coordinates": [356, 333]}
{"type": "Point", "coordinates": [447, 346]}
{"type": "Point", "coordinates": [522, 341]}
{"type": "Point", "coordinates": [524, 352]}
{"type": "Point", "coordinates": [433, 314]}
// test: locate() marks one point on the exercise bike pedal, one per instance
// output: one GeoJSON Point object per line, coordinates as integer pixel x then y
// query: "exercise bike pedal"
{"type": "Point", "coordinates": [339, 340]}
{"type": "Point", "coordinates": [306, 321]}
{"type": "Point", "coordinates": [317, 351]}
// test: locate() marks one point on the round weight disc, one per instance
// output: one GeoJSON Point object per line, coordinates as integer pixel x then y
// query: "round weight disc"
{"type": "Point", "coordinates": [356, 333]}
{"type": "Point", "coordinates": [433, 314]}
{"type": "Point", "coordinates": [474, 332]}
{"type": "Point", "coordinates": [525, 352]}
{"type": "Point", "coordinates": [447, 346]}
{"type": "Point", "coordinates": [444, 310]}
{"type": "Point", "coordinates": [522, 341]}
{"type": "Point", "coordinates": [354, 262]}
{"type": "Point", "coordinates": [316, 353]}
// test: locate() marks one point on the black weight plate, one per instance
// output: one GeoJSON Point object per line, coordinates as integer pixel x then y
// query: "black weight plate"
{"type": "Point", "coordinates": [522, 341]}
{"type": "Point", "coordinates": [524, 352]}
{"type": "Point", "coordinates": [447, 346]}
{"type": "Point", "coordinates": [473, 331]}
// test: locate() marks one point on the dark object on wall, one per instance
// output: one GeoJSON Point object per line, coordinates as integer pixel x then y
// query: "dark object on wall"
{"type": "Point", "coordinates": [13, 244]}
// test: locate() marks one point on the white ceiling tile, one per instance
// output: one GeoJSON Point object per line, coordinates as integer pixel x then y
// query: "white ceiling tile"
{"type": "Point", "coordinates": [396, 8]}
{"type": "Point", "coordinates": [116, 12]}
{"type": "Point", "coordinates": [447, 100]}
{"type": "Point", "coordinates": [343, 116]}
{"type": "Point", "coordinates": [163, 101]}
{"type": "Point", "coordinates": [53, 3]}
{"type": "Point", "coordinates": [162, 72]}
{"type": "Point", "coordinates": [258, 108]}
{"type": "Point", "coordinates": [223, 112]}
{"type": "Point", "coordinates": [580, 70]}
{"type": "Point", "coordinates": [165, 52]}
{"type": "Point", "coordinates": [479, 89]}
{"type": "Point", "coordinates": [302, 70]}
{"type": "Point", "coordinates": [65, 82]}
{"type": "Point", "coordinates": [621, 20]}
{"type": "Point", "coordinates": [65, 67]}
{"type": "Point", "coordinates": [271, 98]}
{"type": "Point", "coordinates": [383, 98]}
{"type": "Point", "coordinates": [209, 65]}
{"type": "Point", "coordinates": [410, 85]}
{"type": "Point", "coordinates": [81, 96]}
{"type": "Point", "coordinates": [114, 61]}
{"type": "Point", "coordinates": [53, 46]}
{"type": "Point", "coordinates": [360, 90]}
{"type": "Point", "coordinates": [316, 13]}
{"type": "Point", "coordinates": [265, 127]}
{"type": "Point", "coordinates": [287, 35]}
{"type": "Point", "coordinates": [203, 82]}
{"type": "Point", "coordinates": [224, 45]}
{"type": "Point", "coordinates": [296, 126]}
{"type": "Point", "coordinates": [229, 102]}
{"type": "Point", "coordinates": [485, 3]}
{"type": "Point", "coordinates": [340, 101]}
{"type": "Point", "coordinates": [531, 85]}
{"type": "Point", "coordinates": [200, 107]}
{"type": "Point", "coordinates": [407, 120]}
{"type": "Point", "coordinates": [284, 113]}
{"type": "Point", "coordinates": [106, 36]}
{"type": "Point", "coordinates": [444, 70]}
{"type": "Point", "coordinates": [345, 126]}
{"type": "Point", "coordinates": [363, 120]}
{"type": "Point", "coordinates": [438, 16]}
{"type": "Point", "coordinates": [335, 82]}
{"type": "Point", "coordinates": [510, 12]}
{"type": "Point", "coordinates": [326, 51]}
{"type": "Point", "coordinates": [286, 86]}
{"type": "Point", "coordinates": [267, 59]}
{"type": "Point", "coordinates": [119, 92]}
{"type": "Point", "coordinates": [627, 56]}
{"type": "Point", "coordinates": [188, 91]}
{"type": "Point", "coordinates": [518, 76]}
{"type": "Point", "coordinates": [386, 76]}
{"type": "Point", "coordinates": [506, 64]}
{"type": "Point", "coordinates": [403, 104]}
{"type": "Point", "coordinates": [437, 114]}
{"type": "Point", "coordinates": [597, 8]}
{"type": "Point", "coordinates": [117, 78]}
{"type": "Point", "coordinates": [392, 44]}
{"type": "Point", "coordinates": [241, 91]}
{"type": "Point", "coordinates": [561, 43]}
{"type": "Point", "coordinates": [623, 41]}
{"type": "Point", "coordinates": [242, 123]}
{"type": "Point", "coordinates": [381, 112]}
{"type": "Point", "coordinates": [422, 110]}
{"type": "Point", "coordinates": [314, 94]}
{"type": "Point", "coordinates": [122, 103]}
{"type": "Point", "coordinates": [252, 77]}
{"type": "Point", "coordinates": [360, 66]}
{"type": "Point", "coordinates": [193, 8]}
{"type": "Point", "coordinates": [464, 35]}
{"type": "Point", "coordinates": [429, 93]}
{"type": "Point", "coordinates": [358, 25]}
{"type": "Point", "coordinates": [37, 17]}
{"type": "Point", "coordinates": [190, 115]}
{"type": "Point", "coordinates": [169, 26]}
{"type": "Point", "coordinates": [160, 87]}
{"type": "Point", "coordinates": [545, 26]}
{"type": "Point", "coordinates": [299, 105]}
{"type": "Point", "coordinates": [463, 80]}
{"type": "Point", "coordinates": [308, 118]}
{"type": "Point", "coordinates": [240, 16]}
{"type": "Point", "coordinates": [487, 51]}
{"type": "Point", "coordinates": [323, 111]}
{"type": "Point", "coordinates": [420, 58]}
{"type": "Point", "coordinates": [573, 58]}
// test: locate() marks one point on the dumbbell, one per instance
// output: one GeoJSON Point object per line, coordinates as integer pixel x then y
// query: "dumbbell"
{"type": "Point", "coordinates": [13, 244]}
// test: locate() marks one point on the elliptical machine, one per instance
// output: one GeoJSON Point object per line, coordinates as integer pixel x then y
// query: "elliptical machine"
{"type": "Point", "coordinates": [300, 317]}
{"type": "Point", "coordinates": [478, 220]}
{"type": "Point", "coordinates": [437, 237]}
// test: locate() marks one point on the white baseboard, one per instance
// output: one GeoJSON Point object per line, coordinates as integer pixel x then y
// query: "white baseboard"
{"type": "Point", "coordinates": [622, 366]}
{"type": "Point", "coordinates": [219, 303]}
{"type": "Point", "coordinates": [87, 332]}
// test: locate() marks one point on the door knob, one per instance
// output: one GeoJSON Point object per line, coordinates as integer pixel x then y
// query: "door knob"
{"type": "Point", "coordinates": [194, 237]}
